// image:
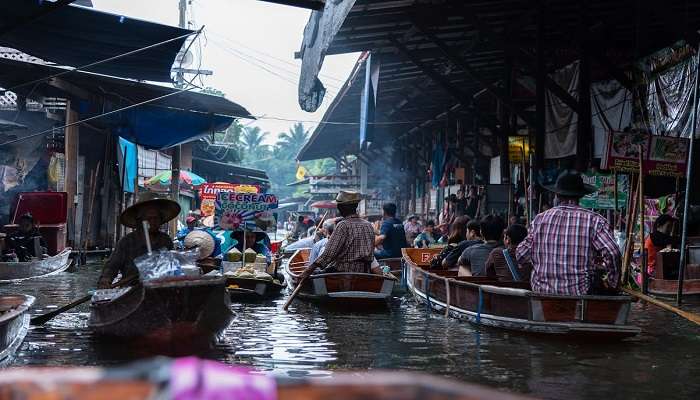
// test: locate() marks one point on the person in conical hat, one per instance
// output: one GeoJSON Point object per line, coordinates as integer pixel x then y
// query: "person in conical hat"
{"type": "Point", "coordinates": [150, 208]}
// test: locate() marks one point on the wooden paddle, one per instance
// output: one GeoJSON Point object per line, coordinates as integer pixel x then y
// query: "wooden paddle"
{"type": "Point", "coordinates": [685, 314]}
{"type": "Point", "coordinates": [44, 318]}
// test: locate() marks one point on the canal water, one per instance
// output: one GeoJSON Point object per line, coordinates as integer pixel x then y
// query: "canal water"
{"type": "Point", "coordinates": [661, 363]}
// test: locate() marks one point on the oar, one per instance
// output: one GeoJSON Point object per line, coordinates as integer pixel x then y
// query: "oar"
{"type": "Point", "coordinates": [44, 318]}
{"type": "Point", "coordinates": [294, 294]}
{"type": "Point", "coordinates": [685, 314]}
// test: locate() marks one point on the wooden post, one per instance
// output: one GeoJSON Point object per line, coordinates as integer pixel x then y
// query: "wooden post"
{"type": "Point", "coordinates": [71, 170]}
{"type": "Point", "coordinates": [615, 199]}
{"type": "Point", "coordinates": [175, 185]}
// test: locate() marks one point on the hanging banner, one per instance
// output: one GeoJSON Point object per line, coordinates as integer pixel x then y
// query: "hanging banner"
{"type": "Point", "coordinates": [661, 155]}
{"type": "Point", "coordinates": [236, 209]}
{"type": "Point", "coordinates": [208, 192]}
{"type": "Point", "coordinates": [604, 197]}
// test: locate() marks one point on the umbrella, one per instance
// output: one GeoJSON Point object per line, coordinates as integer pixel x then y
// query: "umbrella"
{"type": "Point", "coordinates": [323, 204]}
{"type": "Point", "coordinates": [187, 177]}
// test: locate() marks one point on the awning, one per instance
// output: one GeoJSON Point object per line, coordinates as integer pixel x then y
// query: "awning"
{"type": "Point", "coordinates": [312, 4]}
{"type": "Point", "coordinates": [77, 36]}
{"type": "Point", "coordinates": [224, 172]}
{"type": "Point", "coordinates": [6, 126]}
{"type": "Point", "coordinates": [180, 117]}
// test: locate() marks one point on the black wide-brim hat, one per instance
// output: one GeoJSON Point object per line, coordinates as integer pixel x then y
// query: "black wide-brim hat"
{"type": "Point", "coordinates": [570, 183]}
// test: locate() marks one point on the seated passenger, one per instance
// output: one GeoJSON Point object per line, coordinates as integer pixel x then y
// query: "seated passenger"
{"type": "Point", "coordinates": [498, 266]}
{"type": "Point", "coordinates": [564, 242]}
{"type": "Point", "coordinates": [391, 237]}
{"type": "Point", "coordinates": [21, 242]}
{"type": "Point", "coordinates": [472, 236]}
{"type": "Point", "coordinates": [472, 262]}
{"type": "Point", "coordinates": [425, 239]}
{"type": "Point", "coordinates": [326, 231]}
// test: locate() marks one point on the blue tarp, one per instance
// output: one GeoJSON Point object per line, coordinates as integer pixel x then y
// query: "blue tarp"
{"type": "Point", "coordinates": [76, 36]}
{"type": "Point", "coordinates": [129, 149]}
{"type": "Point", "coordinates": [160, 128]}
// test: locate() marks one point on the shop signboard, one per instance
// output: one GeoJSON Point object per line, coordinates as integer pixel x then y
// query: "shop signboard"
{"type": "Point", "coordinates": [208, 192]}
{"type": "Point", "coordinates": [235, 209]}
{"type": "Point", "coordinates": [604, 197]}
{"type": "Point", "coordinates": [661, 155]}
{"type": "Point", "coordinates": [517, 147]}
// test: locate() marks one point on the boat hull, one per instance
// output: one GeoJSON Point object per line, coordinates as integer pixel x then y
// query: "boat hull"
{"type": "Point", "coordinates": [18, 271]}
{"type": "Point", "coordinates": [509, 305]}
{"type": "Point", "coordinates": [252, 289]}
{"type": "Point", "coordinates": [355, 291]}
{"type": "Point", "coordinates": [14, 323]}
{"type": "Point", "coordinates": [166, 313]}
{"type": "Point", "coordinates": [669, 288]}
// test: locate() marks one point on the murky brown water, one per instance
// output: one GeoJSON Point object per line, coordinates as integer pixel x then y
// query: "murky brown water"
{"type": "Point", "coordinates": [661, 363]}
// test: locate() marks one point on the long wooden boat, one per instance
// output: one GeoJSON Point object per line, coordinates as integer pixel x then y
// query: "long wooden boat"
{"type": "Point", "coordinates": [669, 287]}
{"type": "Point", "coordinates": [160, 378]}
{"type": "Point", "coordinates": [19, 271]}
{"type": "Point", "coordinates": [396, 268]}
{"type": "Point", "coordinates": [251, 289]}
{"type": "Point", "coordinates": [512, 306]}
{"type": "Point", "coordinates": [164, 312]}
{"type": "Point", "coordinates": [341, 289]}
{"type": "Point", "coordinates": [14, 323]}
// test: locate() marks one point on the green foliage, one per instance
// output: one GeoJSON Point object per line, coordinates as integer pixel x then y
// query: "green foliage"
{"type": "Point", "coordinates": [279, 160]}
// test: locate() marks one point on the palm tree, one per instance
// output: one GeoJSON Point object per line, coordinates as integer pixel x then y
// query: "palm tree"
{"type": "Point", "coordinates": [290, 142]}
{"type": "Point", "coordinates": [252, 139]}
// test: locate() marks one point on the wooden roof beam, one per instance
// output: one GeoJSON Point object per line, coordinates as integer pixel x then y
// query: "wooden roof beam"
{"type": "Point", "coordinates": [454, 58]}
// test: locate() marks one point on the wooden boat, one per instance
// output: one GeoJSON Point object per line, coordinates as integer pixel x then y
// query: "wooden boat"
{"type": "Point", "coordinates": [14, 323]}
{"type": "Point", "coordinates": [396, 268]}
{"type": "Point", "coordinates": [18, 271]}
{"type": "Point", "coordinates": [664, 283]}
{"type": "Point", "coordinates": [153, 379]}
{"type": "Point", "coordinates": [164, 312]}
{"type": "Point", "coordinates": [252, 289]}
{"type": "Point", "coordinates": [341, 289]}
{"type": "Point", "coordinates": [512, 306]}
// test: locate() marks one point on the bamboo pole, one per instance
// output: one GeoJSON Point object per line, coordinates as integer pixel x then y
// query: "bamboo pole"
{"type": "Point", "coordinates": [642, 210]}
{"type": "Point", "coordinates": [615, 198]}
{"type": "Point", "coordinates": [629, 234]}
{"type": "Point", "coordinates": [685, 314]}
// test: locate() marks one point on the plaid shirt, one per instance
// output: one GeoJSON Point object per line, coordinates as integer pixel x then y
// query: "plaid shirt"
{"type": "Point", "coordinates": [351, 246]}
{"type": "Point", "coordinates": [561, 246]}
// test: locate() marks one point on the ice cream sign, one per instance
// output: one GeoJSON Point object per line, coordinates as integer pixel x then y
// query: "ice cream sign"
{"type": "Point", "coordinates": [235, 209]}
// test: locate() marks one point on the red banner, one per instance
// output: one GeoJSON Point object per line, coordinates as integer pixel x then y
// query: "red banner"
{"type": "Point", "coordinates": [661, 155]}
{"type": "Point", "coordinates": [208, 192]}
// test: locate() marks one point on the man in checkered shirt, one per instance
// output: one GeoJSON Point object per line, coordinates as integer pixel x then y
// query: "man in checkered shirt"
{"type": "Point", "coordinates": [564, 242]}
{"type": "Point", "coordinates": [351, 246]}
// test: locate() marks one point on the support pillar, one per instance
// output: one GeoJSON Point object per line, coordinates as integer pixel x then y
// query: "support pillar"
{"type": "Point", "coordinates": [584, 139]}
{"type": "Point", "coordinates": [71, 145]}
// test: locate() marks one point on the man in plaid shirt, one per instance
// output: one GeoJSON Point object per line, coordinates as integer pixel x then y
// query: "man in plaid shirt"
{"type": "Point", "coordinates": [351, 246]}
{"type": "Point", "coordinates": [564, 242]}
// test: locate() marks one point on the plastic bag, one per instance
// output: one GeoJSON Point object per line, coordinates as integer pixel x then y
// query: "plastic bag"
{"type": "Point", "coordinates": [164, 263]}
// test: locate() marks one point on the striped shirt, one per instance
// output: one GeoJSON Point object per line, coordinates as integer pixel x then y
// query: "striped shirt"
{"type": "Point", "coordinates": [351, 246]}
{"type": "Point", "coordinates": [562, 245]}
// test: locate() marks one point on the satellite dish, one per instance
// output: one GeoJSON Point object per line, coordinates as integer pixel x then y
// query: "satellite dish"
{"type": "Point", "coordinates": [183, 59]}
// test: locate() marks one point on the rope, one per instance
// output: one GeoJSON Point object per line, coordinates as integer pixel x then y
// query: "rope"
{"type": "Point", "coordinates": [447, 302]}
{"type": "Point", "coordinates": [425, 288]}
{"type": "Point", "coordinates": [479, 306]}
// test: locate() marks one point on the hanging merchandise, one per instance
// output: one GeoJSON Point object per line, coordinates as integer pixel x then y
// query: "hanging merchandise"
{"type": "Point", "coordinates": [562, 121]}
{"type": "Point", "coordinates": [437, 165]}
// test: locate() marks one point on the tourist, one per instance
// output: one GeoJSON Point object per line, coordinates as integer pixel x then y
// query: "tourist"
{"type": "Point", "coordinates": [156, 212]}
{"type": "Point", "coordinates": [472, 237]}
{"type": "Point", "coordinates": [564, 241]}
{"type": "Point", "coordinates": [325, 232]}
{"type": "Point", "coordinates": [22, 241]}
{"type": "Point", "coordinates": [300, 229]}
{"type": "Point", "coordinates": [472, 261]}
{"type": "Point", "coordinates": [391, 237]}
{"type": "Point", "coordinates": [505, 269]}
{"type": "Point", "coordinates": [425, 239]}
{"type": "Point", "coordinates": [412, 228]}
{"type": "Point", "coordinates": [351, 246]}
{"type": "Point", "coordinates": [660, 238]}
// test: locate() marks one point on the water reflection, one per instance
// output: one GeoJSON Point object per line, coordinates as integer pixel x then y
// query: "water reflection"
{"type": "Point", "coordinates": [310, 341]}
